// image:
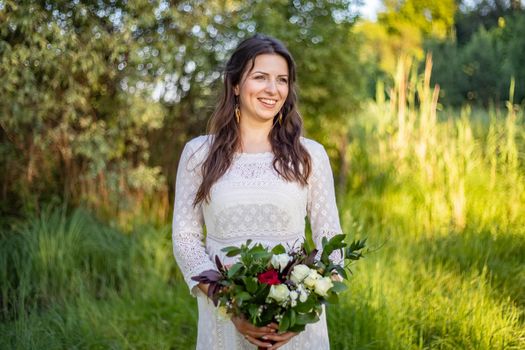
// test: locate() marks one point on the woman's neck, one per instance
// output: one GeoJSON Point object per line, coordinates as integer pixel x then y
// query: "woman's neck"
{"type": "Point", "coordinates": [254, 138]}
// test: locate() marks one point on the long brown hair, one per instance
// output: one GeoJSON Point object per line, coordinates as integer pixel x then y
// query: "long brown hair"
{"type": "Point", "coordinates": [291, 159]}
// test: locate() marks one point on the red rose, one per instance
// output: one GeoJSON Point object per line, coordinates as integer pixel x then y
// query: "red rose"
{"type": "Point", "coordinates": [270, 277]}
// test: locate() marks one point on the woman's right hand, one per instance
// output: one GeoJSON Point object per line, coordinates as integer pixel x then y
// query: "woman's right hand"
{"type": "Point", "coordinates": [253, 333]}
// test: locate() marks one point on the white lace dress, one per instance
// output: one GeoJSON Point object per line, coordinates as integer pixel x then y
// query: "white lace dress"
{"type": "Point", "coordinates": [250, 201]}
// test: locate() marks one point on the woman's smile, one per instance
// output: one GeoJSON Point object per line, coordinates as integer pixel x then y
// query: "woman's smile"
{"type": "Point", "coordinates": [268, 102]}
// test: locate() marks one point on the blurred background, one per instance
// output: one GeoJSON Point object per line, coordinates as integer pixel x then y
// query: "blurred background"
{"type": "Point", "coordinates": [418, 103]}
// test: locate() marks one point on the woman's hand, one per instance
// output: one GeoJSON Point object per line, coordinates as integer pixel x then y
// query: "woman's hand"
{"type": "Point", "coordinates": [255, 335]}
{"type": "Point", "coordinates": [203, 287]}
{"type": "Point", "coordinates": [279, 339]}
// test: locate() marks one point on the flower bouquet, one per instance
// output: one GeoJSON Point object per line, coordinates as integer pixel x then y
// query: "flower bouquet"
{"type": "Point", "coordinates": [288, 288]}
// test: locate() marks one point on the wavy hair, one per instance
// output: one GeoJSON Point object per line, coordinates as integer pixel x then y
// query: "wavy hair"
{"type": "Point", "coordinates": [291, 159]}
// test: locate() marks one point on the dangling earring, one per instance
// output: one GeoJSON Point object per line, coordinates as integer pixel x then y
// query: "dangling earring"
{"type": "Point", "coordinates": [237, 114]}
{"type": "Point", "coordinates": [280, 118]}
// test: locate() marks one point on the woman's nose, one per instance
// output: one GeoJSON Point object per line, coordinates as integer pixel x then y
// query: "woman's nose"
{"type": "Point", "coordinates": [271, 86]}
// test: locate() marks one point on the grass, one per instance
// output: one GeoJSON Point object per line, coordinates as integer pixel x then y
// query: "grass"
{"type": "Point", "coordinates": [73, 282]}
{"type": "Point", "coordinates": [441, 195]}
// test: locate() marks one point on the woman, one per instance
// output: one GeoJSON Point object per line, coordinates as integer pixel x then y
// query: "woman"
{"type": "Point", "coordinates": [253, 177]}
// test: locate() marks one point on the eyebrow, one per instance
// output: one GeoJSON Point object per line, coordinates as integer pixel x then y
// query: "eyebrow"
{"type": "Point", "coordinates": [280, 75]}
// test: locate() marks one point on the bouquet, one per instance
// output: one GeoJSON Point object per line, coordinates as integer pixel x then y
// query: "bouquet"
{"type": "Point", "coordinates": [288, 288]}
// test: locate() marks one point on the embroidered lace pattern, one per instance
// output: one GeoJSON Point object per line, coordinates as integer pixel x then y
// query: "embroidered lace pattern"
{"type": "Point", "coordinates": [250, 201]}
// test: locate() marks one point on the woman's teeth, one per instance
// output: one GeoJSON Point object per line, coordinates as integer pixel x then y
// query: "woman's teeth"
{"type": "Point", "coordinates": [268, 102]}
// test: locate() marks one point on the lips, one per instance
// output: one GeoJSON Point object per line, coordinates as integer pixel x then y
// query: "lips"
{"type": "Point", "coordinates": [268, 102]}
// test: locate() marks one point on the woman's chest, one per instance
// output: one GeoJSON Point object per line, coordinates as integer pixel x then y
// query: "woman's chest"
{"type": "Point", "coordinates": [253, 197]}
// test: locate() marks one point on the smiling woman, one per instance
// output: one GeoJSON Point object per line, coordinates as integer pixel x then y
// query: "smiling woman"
{"type": "Point", "coordinates": [252, 177]}
{"type": "Point", "coordinates": [263, 90]}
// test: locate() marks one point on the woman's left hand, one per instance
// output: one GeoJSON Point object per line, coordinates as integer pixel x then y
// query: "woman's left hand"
{"type": "Point", "coordinates": [279, 339]}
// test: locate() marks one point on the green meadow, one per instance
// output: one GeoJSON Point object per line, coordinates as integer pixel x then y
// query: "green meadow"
{"type": "Point", "coordinates": [440, 195]}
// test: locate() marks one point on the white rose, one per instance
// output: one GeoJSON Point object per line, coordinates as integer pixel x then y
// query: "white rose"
{"type": "Point", "coordinates": [322, 285]}
{"type": "Point", "coordinates": [279, 261]}
{"type": "Point", "coordinates": [313, 276]}
{"type": "Point", "coordinates": [294, 295]}
{"type": "Point", "coordinates": [279, 292]}
{"type": "Point", "coordinates": [299, 273]}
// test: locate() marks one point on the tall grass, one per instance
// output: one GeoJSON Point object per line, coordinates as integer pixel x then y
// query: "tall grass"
{"type": "Point", "coordinates": [441, 193]}
{"type": "Point", "coordinates": [444, 197]}
{"type": "Point", "coordinates": [70, 281]}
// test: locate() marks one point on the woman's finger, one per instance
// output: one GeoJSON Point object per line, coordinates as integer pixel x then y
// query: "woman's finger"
{"type": "Point", "coordinates": [256, 334]}
{"type": "Point", "coordinates": [254, 330]}
{"type": "Point", "coordinates": [281, 337]}
{"type": "Point", "coordinates": [257, 342]}
{"type": "Point", "coordinates": [273, 325]}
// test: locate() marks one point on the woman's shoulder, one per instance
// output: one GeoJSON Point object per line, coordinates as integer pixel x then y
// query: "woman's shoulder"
{"type": "Point", "coordinates": [197, 148]}
{"type": "Point", "coordinates": [199, 142]}
{"type": "Point", "coordinates": [313, 147]}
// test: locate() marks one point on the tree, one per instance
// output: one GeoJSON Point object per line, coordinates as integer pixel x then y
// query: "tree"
{"type": "Point", "coordinates": [402, 28]}
{"type": "Point", "coordinates": [482, 13]}
{"type": "Point", "coordinates": [95, 92]}
{"type": "Point", "coordinates": [480, 70]}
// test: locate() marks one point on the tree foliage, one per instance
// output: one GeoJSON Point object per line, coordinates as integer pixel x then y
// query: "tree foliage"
{"type": "Point", "coordinates": [402, 28]}
{"type": "Point", "coordinates": [480, 70]}
{"type": "Point", "coordinates": [98, 96]}
{"type": "Point", "coordinates": [476, 46]}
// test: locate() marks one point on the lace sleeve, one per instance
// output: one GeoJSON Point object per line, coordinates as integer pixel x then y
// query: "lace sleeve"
{"type": "Point", "coordinates": [187, 234]}
{"type": "Point", "coordinates": [322, 207]}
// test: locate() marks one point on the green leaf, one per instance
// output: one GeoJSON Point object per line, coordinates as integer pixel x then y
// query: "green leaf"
{"type": "Point", "coordinates": [306, 306]}
{"type": "Point", "coordinates": [262, 255]}
{"type": "Point", "coordinates": [262, 293]}
{"type": "Point", "coordinates": [297, 328]}
{"type": "Point", "coordinates": [353, 251]}
{"type": "Point", "coordinates": [338, 287]}
{"type": "Point", "coordinates": [253, 310]}
{"type": "Point", "coordinates": [305, 318]}
{"type": "Point", "coordinates": [278, 249]}
{"type": "Point", "coordinates": [251, 284]}
{"type": "Point", "coordinates": [231, 251]}
{"type": "Point", "coordinates": [292, 318]}
{"type": "Point", "coordinates": [234, 269]}
{"type": "Point", "coordinates": [308, 247]}
{"type": "Point", "coordinates": [337, 241]}
{"type": "Point", "coordinates": [284, 323]}
{"type": "Point", "coordinates": [243, 296]}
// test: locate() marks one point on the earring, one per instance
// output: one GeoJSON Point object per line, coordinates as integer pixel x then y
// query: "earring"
{"type": "Point", "coordinates": [280, 118]}
{"type": "Point", "coordinates": [237, 113]}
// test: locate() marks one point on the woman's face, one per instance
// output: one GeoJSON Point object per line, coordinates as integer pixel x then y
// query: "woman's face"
{"type": "Point", "coordinates": [263, 90]}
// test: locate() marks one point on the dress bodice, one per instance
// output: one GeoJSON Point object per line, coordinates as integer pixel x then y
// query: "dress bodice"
{"type": "Point", "coordinates": [250, 201]}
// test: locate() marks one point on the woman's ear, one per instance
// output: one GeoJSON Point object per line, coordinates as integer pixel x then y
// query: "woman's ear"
{"type": "Point", "coordinates": [236, 90]}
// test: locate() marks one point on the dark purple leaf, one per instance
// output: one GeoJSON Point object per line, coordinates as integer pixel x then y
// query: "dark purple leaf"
{"type": "Point", "coordinates": [213, 292]}
{"type": "Point", "coordinates": [208, 276]}
{"type": "Point", "coordinates": [219, 264]}
{"type": "Point", "coordinates": [310, 259]}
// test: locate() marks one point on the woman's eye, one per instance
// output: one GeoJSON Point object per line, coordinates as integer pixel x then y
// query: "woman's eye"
{"type": "Point", "coordinates": [283, 80]}
{"type": "Point", "coordinates": [259, 77]}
